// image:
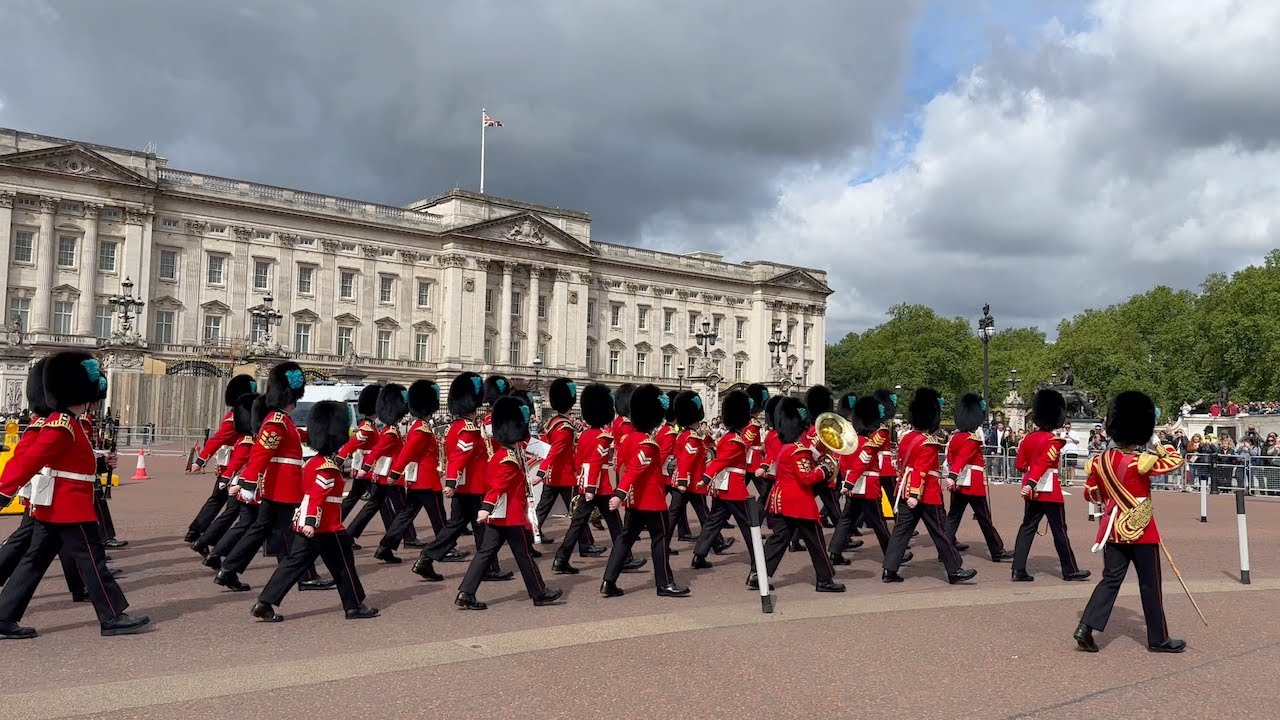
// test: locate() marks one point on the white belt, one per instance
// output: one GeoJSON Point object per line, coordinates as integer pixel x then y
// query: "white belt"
{"type": "Point", "coordinates": [333, 499]}
{"type": "Point", "coordinates": [735, 471]}
{"type": "Point", "coordinates": [289, 461]}
{"type": "Point", "coordinates": [74, 476]}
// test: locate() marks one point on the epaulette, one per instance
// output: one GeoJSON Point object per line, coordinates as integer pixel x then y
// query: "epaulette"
{"type": "Point", "coordinates": [468, 424]}
{"type": "Point", "coordinates": [1146, 461]}
{"type": "Point", "coordinates": [275, 417]}
{"type": "Point", "coordinates": [246, 440]}
{"type": "Point", "coordinates": [980, 440]}
{"type": "Point", "coordinates": [648, 440]}
{"type": "Point", "coordinates": [605, 434]}
{"type": "Point", "coordinates": [329, 465]}
{"type": "Point", "coordinates": [425, 427]}
{"type": "Point", "coordinates": [393, 429]}
{"type": "Point", "coordinates": [511, 458]}
{"type": "Point", "coordinates": [736, 437]}
{"type": "Point", "coordinates": [37, 423]}
{"type": "Point", "coordinates": [59, 420]}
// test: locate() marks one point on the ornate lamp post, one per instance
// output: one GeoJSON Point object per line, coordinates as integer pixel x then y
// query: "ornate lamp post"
{"type": "Point", "coordinates": [266, 315]}
{"type": "Point", "coordinates": [986, 329]}
{"type": "Point", "coordinates": [537, 372]}
{"type": "Point", "coordinates": [778, 346]}
{"type": "Point", "coordinates": [706, 339]}
{"type": "Point", "coordinates": [128, 306]}
{"type": "Point", "coordinates": [680, 376]}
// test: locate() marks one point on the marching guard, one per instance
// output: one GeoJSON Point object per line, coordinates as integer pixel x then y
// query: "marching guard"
{"type": "Point", "coordinates": [819, 400]}
{"type": "Point", "coordinates": [885, 440]}
{"type": "Point", "coordinates": [359, 444]}
{"type": "Point", "coordinates": [384, 493]}
{"type": "Point", "coordinates": [224, 532]}
{"type": "Point", "coordinates": [417, 466]}
{"type": "Point", "coordinates": [725, 478]}
{"type": "Point", "coordinates": [218, 449]}
{"type": "Point", "coordinates": [690, 454]}
{"type": "Point", "coordinates": [666, 437]}
{"type": "Point", "coordinates": [557, 471]}
{"type": "Point", "coordinates": [966, 468]}
{"type": "Point", "coordinates": [860, 482]}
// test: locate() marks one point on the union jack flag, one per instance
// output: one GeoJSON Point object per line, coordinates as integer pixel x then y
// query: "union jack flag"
{"type": "Point", "coordinates": [490, 122]}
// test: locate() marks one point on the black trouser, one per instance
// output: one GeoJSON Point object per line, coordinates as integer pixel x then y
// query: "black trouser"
{"type": "Point", "coordinates": [679, 518]}
{"type": "Point", "coordinates": [904, 523]}
{"type": "Point", "coordinates": [582, 516]}
{"type": "Point", "coordinates": [859, 512]}
{"type": "Point", "coordinates": [982, 512]}
{"type": "Point", "coordinates": [829, 498]}
{"type": "Point", "coordinates": [242, 514]}
{"type": "Point", "coordinates": [565, 494]}
{"type": "Point", "coordinates": [658, 525]}
{"type": "Point", "coordinates": [786, 529]}
{"type": "Point", "coordinates": [680, 499]}
{"type": "Point", "coordinates": [334, 548]}
{"type": "Point", "coordinates": [354, 492]}
{"type": "Point", "coordinates": [106, 527]}
{"type": "Point", "coordinates": [430, 500]}
{"type": "Point", "coordinates": [209, 510]}
{"type": "Point", "coordinates": [273, 519]}
{"type": "Point", "coordinates": [13, 550]}
{"type": "Point", "coordinates": [82, 544]}
{"type": "Point", "coordinates": [720, 511]}
{"type": "Point", "coordinates": [465, 508]}
{"type": "Point", "coordinates": [385, 500]}
{"type": "Point", "coordinates": [1116, 558]}
{"type": "Point", "coordinates": [1057, 517]}
{"type": "Point", "coordinates": [492, 539]}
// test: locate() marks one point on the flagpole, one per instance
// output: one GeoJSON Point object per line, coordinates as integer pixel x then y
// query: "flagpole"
{"type": "Point", "coordinates": [483, 127]}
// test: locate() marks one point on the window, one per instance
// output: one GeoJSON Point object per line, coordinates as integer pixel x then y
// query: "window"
{"type": "Point", "coordinates": [591, 312]}
{"type": "Point", "coordinates": [693, 323]}
{"type": "Point", "coordinates": [66, 251]}
{"type": "Point", "coordinates": [62, 318]}
{"type": "Point", "coordinates": [169, 265]}
{"type": "Point", "coordinates": [424, 294]}
{"type": "Point", "coordinates": [719, 366]}
{"type": "Point", "coordinates": [212, 328]}
{"type": "Point", "coordinates": [488, 350]}
{"type": "Point", "coordinates": [261, 274]}
{"type": "Point", "coordinates": [107, 256]}
{"type": "Point", "coordinates": [258, 329]}
{"type": "Point", "coordinates": [347, 285]}
{"type": "Point", "coordinates": [384, 344]}
{"type": "Point", "coordinates": [217, 263]}
{"type": "Point", "coordinates": [386, 289]}
{"type": "Point", "coordinates": [515, 352]}
{"type": "Point", "coordinates": [422, 347]}
{"type": "Point", "coordinates": [668, 321]}
{"type": "Point", "coordinates": [542, 350]}
{"type": "Point", "coordinates": [302, 337]}
{"type": "Point", "coordinates": [738, 367]}
{"type": "Point", "coordinates": [591, 356]}
{"type": "Point", "coordinates": [542, 307]}
{"type": "Point", "coordinates": [24, 246]}
{"type": "Point", "coordinates": [615, 316]}
{"type": "Point", "coordinates": [615, 359]}
{"type": "Point", "coordinates": [69, 207]}
{"type": "Point", "coordinates": [346, 339]}
{"type": "Point", "coordinates": [28, 202]}
{"type": "Point", "coordinates": [218, 229]}
{"type": "Point", "coordinates": [807, 328]}
{"type": "Point", "coordinates": [740, 332]}
{"type": "Point", "coordinates": [110, 214]}
{"type": "Point", "coordinates": [262, 234]}
{"type": "Point", "coordinates": [715, 326]}
{"type": "Point", "coordinates": [791, 333]}
{"type": "Point", "coordinates": [516, 303]}
{"type": "Point", "coordinates": [642, 362]}
{"type": "Point", "coordinates": [642, 318]}
{"type": "Point", "coordinates": [169, 223]}
{"type": "Point", "coordinates": [102, 321]}
{"type": "Point", "coordinates": [164, 326]}
{"type": "Point", "coordinates": [488, 301]}
{"type": "Point", "coordinates": [22, 308]}
{"type": "Point", "coordinates": [667, 359]}
{"type": "Point", "coordinates": [306, 274]}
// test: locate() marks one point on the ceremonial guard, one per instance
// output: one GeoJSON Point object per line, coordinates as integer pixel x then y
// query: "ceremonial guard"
{"type": "Point", "coordinates": [967, 470]}
{"type": "Point", "coordinates": [919, 492]}
{"type": "Point", "coordinates": [61, 467]}
{"type": "Point", "coordinates": [726, 479]}
{"type": "Point", "coordinates": [218, 449]}
{"type": "Point", "coordinates": [1120, 480]}
{"type": "Point", "coordinates": [417, 466]}
{"type": "Point", "coordinates": [359, 445]}
{"type": "Point", "coordinates": [666, 438]}
{"type": "Point", "coordinates": [690, 452]}
{"type": "Point", "coordinates": [465, 479]}
{"type": "Point", "coordinates": [771, 447]}
{"type": "Point", "coordinates": [859, 474]}
{"type": "Point", "coordinates": [495, 386]}
{"type": "Point", "coordinates": [504, 512]}
{"type": "Point", "coordinates": [753, 435]}
{"type": "Point", "coordinates": [641, 486]}
{"type": "Point", "coordinates": [557, 472]}
{"type": "Point", "coordinates": [318, 523]}
{"type": "Point", "coordinates": [819, 400]}
{"type": "Point", "coordinates": [384, 493]}
{"type": "Point", "coordinates": [796, 477]}
{"type": "Point", "coordinates": [1038, 458]}
{"type": "Point", "coordinates": [884, 440]}
{"type": "Point", "coordinates": [225, 531]}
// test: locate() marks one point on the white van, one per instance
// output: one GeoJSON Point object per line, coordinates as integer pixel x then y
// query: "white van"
{"type": "Point", "coordinates": [348, 393]}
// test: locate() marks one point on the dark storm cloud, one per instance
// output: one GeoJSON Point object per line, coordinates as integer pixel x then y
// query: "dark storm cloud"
{"type": "Point", "coordinates": [675, 114]}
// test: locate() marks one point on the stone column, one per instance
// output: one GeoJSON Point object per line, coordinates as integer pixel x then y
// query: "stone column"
{"type": "Point", "coordinates": [502, 315]}
{"type": "Point", "coordinates": [473, 341]}
{"type": "Point", "coordinates": [758, 337]}
{"type": "Point", "coordinates": [559, 345]}
{"type": "Point", "coordinates": [324, 334]}
{"type": "Point", "coordinates": [451, 321]}
{"type": "Point", "coordinates": [6, 243]}
{"type": "Point", "coordinates": [88, 269]}
{"type": "Point", "coordinates": [46, 258]}
{"type": "Point", "coordinates": [800, 344]}
{"type": "Point", "coordinates": [535, 283]}
{"type": "Point", "coordinates": [137, 234]}
{"type": "Point", "coordinates": [819, 374]}
{"type": "Point", "coordinates": [576, 336]}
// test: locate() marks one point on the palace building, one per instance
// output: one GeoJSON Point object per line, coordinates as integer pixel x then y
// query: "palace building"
{"type": "Point", "coordinates": [231, 269]}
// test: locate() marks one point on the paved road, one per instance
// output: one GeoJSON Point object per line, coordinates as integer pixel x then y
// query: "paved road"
{"type": "Point", "coordinates": [917, 649]}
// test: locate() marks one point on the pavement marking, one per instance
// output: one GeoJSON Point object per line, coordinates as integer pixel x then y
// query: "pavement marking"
{"type": "Point", "coordinates": [241, 680]}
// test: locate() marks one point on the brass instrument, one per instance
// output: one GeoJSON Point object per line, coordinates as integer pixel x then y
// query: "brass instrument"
{"type": "Point", "coordinates": [836, 433]}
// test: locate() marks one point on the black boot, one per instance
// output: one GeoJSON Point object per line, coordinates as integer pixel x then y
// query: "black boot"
{"type": "Point", "coordinates": [609, 588]}
{"type": "Point", "coordinates": [673, 589]}
{"type": "Point", "coordinates": [961, 547]}
{"type": "Point", "coordinates": [190, 537]}
{"type": "Point", "coordinates": [753, 582]}
{"type": "Point", "coordinates": [633, 564]}
{"type": "Point", "coordinates": [456, 555]}
{"type": "Point", "coordinates": [1084, 638]}
{"type": "Point", "coordinates": [1170, 645]}
{"type": "Point", "coordinates": [14, 631]}
{"type": "Point", "coordinates": [264, 611]}
{"type": "Point", "coordinates": [212, 561]}
{"type": "Point", "coordinates": [700, 562]}
{"type": "Point", "coordinates": [547, 597]}
{"type": "Point", "coordinates": [890, 576]}
{"type": "Point", "coordinates": [593, 551]}
{"type": "Point", "coordinates": [830, 586]}
{"type": "Point", "coordinates": [498, 575]}
{"type": "Point", "coordinates": [124, 624]}
{"type": "Point", "coordinates": [1077, 575]}
{"type": "Point", "coordinates": [561, 566]}
{"type": "Point", "coordinates": [1022, 576]}
{"type": "Point", "coordinates": [960, 576]}
{"type": "Point", "coordinates": [318, 584]}
{"type": "Point", "coordinates": [364, 612]}
{"type": "Point", "coordinates": [386, 555]}
{"type": "Point", "coordinates": [230, 581]}
{"type": "Point", "coordinates": [467, 601]}
{"type": "Point", "coordinates": [838, 559]}
{"type": "Point", "coordinates": [424, 568]}
{"type": "Point", "coordinates": [1002, 556]}
{"type": "Point", "coordinates": [906, 558]}
{"type": "Point", "coordinates": [723, 547]}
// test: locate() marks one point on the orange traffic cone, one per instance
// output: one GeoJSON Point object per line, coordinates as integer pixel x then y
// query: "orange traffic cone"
{"type": "Point", "coordinates": [141, 472]}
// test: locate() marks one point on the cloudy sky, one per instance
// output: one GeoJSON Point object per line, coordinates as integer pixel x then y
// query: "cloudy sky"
{"type": "Point", "coordinates": [1041, 156]}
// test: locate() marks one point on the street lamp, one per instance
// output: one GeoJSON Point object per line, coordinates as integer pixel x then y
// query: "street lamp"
{"type": "Point", "coordinates": [128, 307]}
{"type": "Point", "coordinates": [778, 346]}
{"type": "Point", "coordinates": [537, 371]}
{"type": "Point", "coordinates": [986, 329]}
{"type": "Point", "coordinates": [266, 315]}
{"type": "Point", "coordinates": [706, 340]}
{"type": "Point", "coordinates": [680, 376]}
{"type": "Point", "coordinates": [1013, 381]}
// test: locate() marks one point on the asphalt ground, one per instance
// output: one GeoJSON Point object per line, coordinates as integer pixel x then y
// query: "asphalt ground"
{"type": "Point", "coordinates": [985, 649]}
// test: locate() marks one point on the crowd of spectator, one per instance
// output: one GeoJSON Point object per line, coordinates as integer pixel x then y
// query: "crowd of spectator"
{"type": "Point", "coordinates": [1231, 408]}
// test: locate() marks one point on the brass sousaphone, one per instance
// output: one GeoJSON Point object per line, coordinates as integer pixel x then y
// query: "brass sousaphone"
{"type": "Point", "coordinates": [836, 433]}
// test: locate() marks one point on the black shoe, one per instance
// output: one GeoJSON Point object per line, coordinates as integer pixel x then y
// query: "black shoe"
{"type": "Point", "coordinates": [610, 589]}
{"type": "Point", "coordinates": [1084, 638]}
{"type": "Point", "coordinates": [592, 551]}
{"type": "Point", "coordinates": [190, 537]}
{"type": "Point", "coordinates": [1022, 576]}
{"type": "Point", "coordinates": [124, 624]}
{"type": "Point", "coordinates": [1169, 646]}
{"type": "Point", "coordinates": [230, 581]}
{"type": "Point", "coordinates": [498, 576]}
{"type": "Point", "coordinates": [386, 555]}
{"type": "Point", "coordinates": [114, 543]}
{"type": "Point", "coordinates": [212, 561]}
{"type": "Point", "coordinates": [1004, 556]}
{"type": "Point", "coordinates": [855, 544]}
{"type": "Point", "coordinates": [318, 584]}
{"type": "Point", "coordinates": [356, 545]}
{"type": "Point", "coordinates": [415, 543]}
{"type": "Point", "coordinates": [467, 601]}
{"type": "Point", "coordinates": [562, 567]}
{"type": "Point", "coordinates": [838, 559]}
{"type": "Point", "coordinates": [547, 597]}
{"type": "Point", "coordinates": [1077, 575]}
{"type": "Point", "coordinates": [961, 575]}
{"type": "Point", "coordinates": [829, 586]}
{"type": "Point", "coordinates": [753, 583]}
{"type": "Point", "coordinates": [547, 540]}
{"type": "Point", "coordinates": [364, 612]}
{"type": "Point", "coordinates": [907, 557]}
{"type": "Point", "coordinates": [202, 550]}
{"type": "Point", "coordinates": [265, 612]}
{"type": "Point", "coordinates": [633, 564]}
{"type": "Point", "coordinates": [673, 590]}
{"type": "Point", "coordinates": [890, 576]}
{"type": "Point", "coordinates": [14, 631]}
{"type": "Point", "coordinates": [534, 553]}
{"type": "Point", "coordinates": [700, 562]}
{"type": "Point", "coordinates": [796, 547]}
{"type": "Point", "coordinates": [688, 538]}
{"type": "Point", "coordinates": [728, 543]}
{"type": "Point", "coordinates": [424, 568]}
{"type": "Point", "coordinates": [79, 597]}
{"type": "Point", "coordinates": [456, 555]}
{"type": "Point", "coordinates": [961, 547]}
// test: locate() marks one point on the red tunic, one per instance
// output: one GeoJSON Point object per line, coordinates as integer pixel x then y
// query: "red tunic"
{"type": "Point", "coordinates": [508, 490]}
{"type": "Point", "coordinates": [797, 475]}
{"type": "Point", "coordinates": [772, 445]}
{"type": "Point", "coordinates": [1133, 472]}
{"type": "Point", "coordinates": [918, 458]}
{"type": "Point", "coordinates": [27, 439]}
{"type": "Point", "coordinates": [420, 447]}
{"type": "Point", "coordinates": [753, 436]}
{"type": "Point", "coordinates": [275, 462]}
{"type": "Point", "coordinates": [731, 457]}
{"type": "Point", "coordinates": [558, 466]}
{"type": "Point", "coordinates": [226, 436]}
{"type": "Point", "coordinates": [810, 440]}
{"type": "Point", "coordinates": [361, 441]}
{"type": "Point", "coordinates": [861, 465]}
{"type": "Point", "coordinates": [389, 446]}
{"type": "Point", "coordinates": [1037, 458]}
{"type": "Point", "coordinates": [666, 438]}
{"type": "Point", "coordinates": [63, 446]}
{"type": "Point", "coordinates": [691, 460]}
{"type": "Point", "coordinates": [466, 458]}
{"type": "Point", "coordinates": [965, 461]}
{"type": "Point", "coordinates": [641, 482]}
{"type": "Point", "coordinates": [882, 441]}
{"type": "Point", "coordinates": [620, 429]}
{"type": "Point", "coordinates": [594, 459]}
{"type": "Point", "coordinates": [321, 506]}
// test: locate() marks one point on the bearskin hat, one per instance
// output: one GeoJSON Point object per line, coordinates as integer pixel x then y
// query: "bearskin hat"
{"type": "Point", "coordinates": [844, 406]}
{"type": "Point", "coordinates": [393, 403]}
{"type": "Point", "coordinates": [597, 405]}
{"type": "Point", "coordinates": [622, 400]}
{"type": "Point", "coordinates": [670, 414]}
{"type": "Point", "coordinates": [285, 385]}
{"type": "Point", "coordinates": [510, 417]}
{"type": "Point", "coordinates": [889, 400]}
{"type": "Point", "coordinates": [1131, 419]}
{"type": "Point", "coordinates": [525, 397]}
{"type": "Point", "coordinates": [424, 398]}
{"type": "Point", "coordinates": [242, 414]}
{"type": "Point", "coordinates": [866, 414]}
{"type": "Point", "coordinates": [736, 411]}
{"type": "Point", "coordinates": [970, 412]}
{"type": "Point", "coordinates": [759, 395]}
{"type": "Point", "coordinates": [563, 394]}
{"type": "Point", "coordinates": [770, 407]}
{"type": "Point", "coordinates": [925, 411]}
{"type": "Point", "coordinates": [465, 393]}
{"type": "Point", "coordinates": [329, 424]}
{"type": "Point", "coordinates": [237, 386]}
{"type": "Point", "coordinates": [495, 386]}
{"type": "Point", "coordinates": [647, 408]}
{"type": "Point", "coordinates": [37, 403]}
{"type": "Point", "coordinates": [258, 413]}
{"type": "Point", "coordinates": [689, 410]}
{"type": "Point", "coordinates": [819, 400]}
{"type": "Point", "coordinates": [1049, 410]}
{"type": "Point", "coordinates": [72, 378]}
{"type": "Point", "coordinates": [367, 405]}
{"type": "Point", "coordinates": [792, 419]}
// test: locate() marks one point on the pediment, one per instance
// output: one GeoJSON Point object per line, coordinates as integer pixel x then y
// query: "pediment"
{"type": "Point", "coordinates": [423, 326]}
{"type": "Point", "coordinates": [643, 346]}
{"type": "Point", "coordinates": [305, 315]}
{"type": "Point", "coordinates": [694, 351]}
{"type": "Point", "coordinates": [387, 323]}
{"type": "Point", "coordinates": [591, 342]}
{"type": "Point", "coordinates": [616, 344]}
{"type": "Point", "coordinates": [669, 348]}
{"type": "Point", "coordinates": [800, 279]}
{"type": "Point", "coordinates": [347, 319]}
{"type": "Point", "coordinates": [490, 330]}
{"type": "Point", "coordinates": [74, 159]}
{"type": "Point", "coordinates": [544, 335]}
{"type": "Point", "coordinates": [741, 356]}
{"type": "Point", "coordinates": [166, 302]}
{"type": "Point", "coordinates": [215, 307]}
{"type": "Point", "coordinates": [525, 229]}
{"type": "Point", "coordinates": [718, 354]}
{"type": "Point", "coordinates": [66, 291]}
